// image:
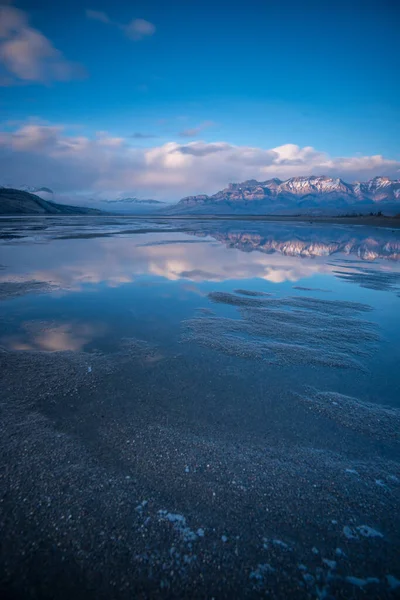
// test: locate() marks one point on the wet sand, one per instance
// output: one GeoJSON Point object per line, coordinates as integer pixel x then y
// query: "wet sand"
{"type": "Point", "coordinates": [176, 425]}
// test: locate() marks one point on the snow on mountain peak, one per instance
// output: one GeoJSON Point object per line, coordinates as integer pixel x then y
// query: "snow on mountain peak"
{"type": "Point", "coordinates": [301, 192]}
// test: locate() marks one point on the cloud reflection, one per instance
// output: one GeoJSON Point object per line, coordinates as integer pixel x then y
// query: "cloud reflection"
{"type": "Point", "coordinates": [50, 336]}
{"type": "Point", "coordinates": [273, 253]}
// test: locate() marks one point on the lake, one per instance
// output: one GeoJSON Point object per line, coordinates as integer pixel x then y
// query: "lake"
{"type": "Point", "coordinates": [199, 408]}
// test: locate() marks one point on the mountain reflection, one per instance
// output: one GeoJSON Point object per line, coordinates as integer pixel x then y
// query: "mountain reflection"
{"type": "Point", "coordinates": [196, 252]}
{"type": "Point", "coordinates": [306, 242]}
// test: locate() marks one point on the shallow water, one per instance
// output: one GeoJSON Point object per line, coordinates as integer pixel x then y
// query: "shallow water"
{"type": "Point", "coordinates": [199, 409]}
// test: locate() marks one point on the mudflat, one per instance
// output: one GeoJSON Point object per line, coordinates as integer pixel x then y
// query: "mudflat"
{"type": "Point", "coordinates": [199, 408]}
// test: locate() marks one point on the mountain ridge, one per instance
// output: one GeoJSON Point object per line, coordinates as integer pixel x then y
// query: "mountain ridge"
{"type": "Point", "coordinates": [130, 200]}
{"type": "Point", "coordinates": [20, 202]}
{"type": "Point", "coordinates": [297, 194]}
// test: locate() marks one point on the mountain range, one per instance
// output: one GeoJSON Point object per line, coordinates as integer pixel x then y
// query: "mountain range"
{"type": "Point", "coordinates": [314, 195]}
{"type": "Point", "coordinates": [34, 190]}
{"type": "Point", "coordinates": [132, 205]}
{"type": "Point", "coordinates": [134, 201]}
{"type": "Point", "coordinates": [20, 202]}
{"type": "Point", "coordinates": [297, 195]}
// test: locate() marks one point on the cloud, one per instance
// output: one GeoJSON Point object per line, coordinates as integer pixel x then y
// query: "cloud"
{"type": "Point", "coordinates": [194, 131]}
{"type": "Point", "coordinates": [39, 154]}
{"type": "Point", "coordinates": [136, 30]}
{"type": "Point", "coordinates": [97, 15]}
{"type": "Point", "coordinates": [27, 55]}
{"type": "Point", "coordinates": [202, 149]}
{"type": "Point", "coordinates": [142, 136]}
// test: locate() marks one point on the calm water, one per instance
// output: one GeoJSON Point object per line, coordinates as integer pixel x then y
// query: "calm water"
{"type": "Point", "coordinates": [199, 409]}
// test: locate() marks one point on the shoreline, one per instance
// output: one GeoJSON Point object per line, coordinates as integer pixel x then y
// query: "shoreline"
{"type": "Point", "coordinates": [372, 221]}
{"type": "Point", "coordinates": [390, 222]}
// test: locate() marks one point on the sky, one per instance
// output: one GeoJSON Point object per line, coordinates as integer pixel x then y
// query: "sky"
{"type": "Point", "coordinates": [163, 99]}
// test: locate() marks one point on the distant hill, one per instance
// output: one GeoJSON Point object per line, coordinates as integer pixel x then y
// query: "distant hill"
{"type": "Point", "coordinates": [131, 205]}
{"type": "Point", "coordinates": [298, 195]}
{"type": "Point", "coordinates": [19, 202]}
{"type": "Point", "coordinates": [34, 190]}
{"type": "Point", "coordinates": [134, 201]}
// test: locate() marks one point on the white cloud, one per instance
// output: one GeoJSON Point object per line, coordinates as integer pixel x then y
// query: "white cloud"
{"type": "Point", "coordinates": [290, 154]}
{"type": "Point", "coordinates": [194, 131]}
{"type": "Point", "coordinates": [27, 55]}
{"type": "Point", "coordinates": [46, 154]}
{"type": "Point", "coordinates": [97, 15]}
{"type": "Point", "coordinates": [136, 30]}
{"type": "Point", "coordinates": [138, 135]}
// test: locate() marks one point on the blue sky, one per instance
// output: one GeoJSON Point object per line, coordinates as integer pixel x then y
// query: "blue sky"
{"type": "Point", "coordinates": [254, 74]}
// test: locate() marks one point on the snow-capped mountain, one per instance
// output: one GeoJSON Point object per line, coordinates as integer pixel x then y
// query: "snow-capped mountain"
{"type": "Point", "coordinates": [315, 194]}
{"type": "Point", "coordinates": [133, 201]}
{"type": "Point", "coordinates": [43, 192]}
{"type": "Point", "coordinates": [35, 190]}
{"type": "Point", "coordinates": [132, 205]}
{"type": "Point", "coordinates": [21, 202]}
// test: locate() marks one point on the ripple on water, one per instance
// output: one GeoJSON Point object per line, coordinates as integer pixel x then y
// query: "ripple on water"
{"type": "Point", "coordinates": [368, 278]}
{"type": "Point", "coordinates": [281, 331]}
{"type": "Point", "coordinates": [13, 289]}
{"type": "Point", "coordinates": [251, 293]}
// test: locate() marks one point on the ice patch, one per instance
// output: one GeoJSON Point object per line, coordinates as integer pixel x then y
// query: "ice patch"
{"type": "Point", "coordinates": [179, 523]}
{"type": "Point", "coordinates": [142, 505]}
{"type": "Point", "coordinates": [361, 582]}
{"type": "Point", "coordinates": [330, 563]}
{"type": "Point", "coordinates": [189, 559]}
{"type": "Point", "coordinates": [275, 542]}
{"type": "Point", "coordinates": [380, 483]}
{"type": "Point", "coordinates": [308, 578]}
{"type": "Point", "coordinates": [367, 531]}
{"type": "Point", "coordinates": [352, 471]}
{"type": "Point", "coordinates": [261, 572]}
{"type": "Point", "coordinates": [364, 530]}
{"type": "Point", "coordinates": [393, 582]}
{"type": "Point", "coordinates": [281, 544]}
{"type": "Point", "coordinates": [349, 533]}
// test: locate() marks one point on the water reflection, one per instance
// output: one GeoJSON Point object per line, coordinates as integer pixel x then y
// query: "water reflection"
{"type": "Point", "coordinates": [273, 252]}
{"type": "Point", "coordinates": [308, 242]}
{"type": "Point", "coordinates": [172, 387]}
{"type": "Point", "coordinates": [52, 336]}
